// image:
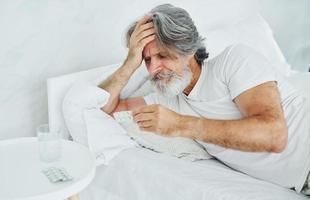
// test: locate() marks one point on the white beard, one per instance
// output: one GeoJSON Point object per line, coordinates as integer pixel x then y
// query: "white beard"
{"type": "Point", "coordinates": [176, 83]}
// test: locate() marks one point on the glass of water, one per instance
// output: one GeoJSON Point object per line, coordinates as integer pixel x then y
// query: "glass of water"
{"type": "Point", "coordinates": [49, 143]}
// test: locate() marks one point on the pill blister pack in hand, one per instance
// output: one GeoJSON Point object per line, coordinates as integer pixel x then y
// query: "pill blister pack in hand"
{"type": "Point", "coordinates": [123, 117]}
{"type": "Point", "coordinates": [55, 174]}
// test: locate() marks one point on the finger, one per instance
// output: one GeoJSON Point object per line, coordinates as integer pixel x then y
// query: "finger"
{"type": "Point", "coordinates": [145, 124]}
{"type": "Point", "coordinates": [144, 109]}
{"type": "Point", "coordinates": [139, 24]}
{"type": "Point", "coordinates": [143, 117]}
{"type": "Point", "coordinates": [139, 37]}
{"type": "Point", "coordinates": [148, 129]}
{"type": "Point", "coordinates": [145, 27]}
{"type": "Point", "coordinates": [145, 33]}
{"type": "Point", "coordinates": [148, 39]}
{"type": "Point", "coordinates": [143, 20]}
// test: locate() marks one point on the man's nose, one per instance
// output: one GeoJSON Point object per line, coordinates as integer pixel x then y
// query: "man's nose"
{"type": "Point", "coordinates": [155, 67]}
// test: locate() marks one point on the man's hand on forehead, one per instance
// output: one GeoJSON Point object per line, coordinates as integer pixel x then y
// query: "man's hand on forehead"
{"type": "Point", "coordinates": [143, 33]}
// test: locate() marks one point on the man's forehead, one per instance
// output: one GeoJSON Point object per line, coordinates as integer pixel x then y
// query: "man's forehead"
{"type": "Point", "coordinates": [154, 48]}
{"type": "Point", "coordinates": [151, 48]}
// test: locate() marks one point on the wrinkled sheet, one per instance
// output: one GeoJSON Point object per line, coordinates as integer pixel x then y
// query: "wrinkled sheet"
{"type": "Point", "coordinates": [139, 173]}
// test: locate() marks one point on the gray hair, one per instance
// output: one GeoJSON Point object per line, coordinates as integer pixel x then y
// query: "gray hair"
{"type": "Point", "coordinates": [176, 31]}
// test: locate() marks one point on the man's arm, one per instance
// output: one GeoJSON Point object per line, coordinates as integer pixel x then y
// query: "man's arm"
{"type": "Point", "coordinates": [114, 85]}
{"type": "Point", "coordinates": [262, 129]}
{"type": "Point", "coordinates": [130, 104]}
{"type": "Point", "coordinates": [142, 34]}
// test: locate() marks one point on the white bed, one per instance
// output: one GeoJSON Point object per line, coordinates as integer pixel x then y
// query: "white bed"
{"type": "Point", "coordinates": [142, 174]}
{"type": "Point", "coordinates": [137, 173]}
{"type": "Point", "coordinates": [150, 175]}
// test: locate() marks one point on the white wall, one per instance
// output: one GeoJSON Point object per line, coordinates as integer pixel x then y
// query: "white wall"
{"type": "Point", "coordinates": [41, 39]}
{"type": "Point", "coordinates": [290, 21]}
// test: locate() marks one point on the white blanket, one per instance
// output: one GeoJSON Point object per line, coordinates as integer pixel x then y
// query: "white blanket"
{"type": "Point", "coordinates": [151, 176]}
{"type": "Point", "coordinates": [106, 138]}
{"type": "Point", "coordinates": [179, 147]}
{"type": "Point", "coordinates": [92, 127]}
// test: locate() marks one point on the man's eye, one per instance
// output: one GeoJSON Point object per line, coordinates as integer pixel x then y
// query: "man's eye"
{"type": "Point", "coordinates": [162, 56]}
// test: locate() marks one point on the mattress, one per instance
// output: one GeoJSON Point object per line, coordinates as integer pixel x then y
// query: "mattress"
{"type": "Point", "coordinates": [139, 173]}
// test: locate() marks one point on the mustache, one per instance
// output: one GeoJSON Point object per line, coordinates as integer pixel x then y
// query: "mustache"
{"type": "Point", "coordinates": [177, 83]}
{"type": "Point", "coordinates": [163, 75]}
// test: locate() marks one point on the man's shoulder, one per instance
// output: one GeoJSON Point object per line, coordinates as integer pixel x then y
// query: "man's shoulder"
{"type": "Point", "coordinates": [232, 60]}
{"type": "Point", "coordinates": [237, 49]}
{"type": "Point", "coordinates": [233, 54]}
{"type": "Point", "coordinates": [227, 57]}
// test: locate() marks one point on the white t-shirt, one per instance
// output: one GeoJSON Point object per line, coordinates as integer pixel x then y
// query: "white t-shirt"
{"type": "Point", "coordinates": [237, 69]}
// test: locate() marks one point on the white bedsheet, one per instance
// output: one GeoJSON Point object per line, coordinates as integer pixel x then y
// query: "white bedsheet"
{"type": "Point", "coordinates": [138, 173]}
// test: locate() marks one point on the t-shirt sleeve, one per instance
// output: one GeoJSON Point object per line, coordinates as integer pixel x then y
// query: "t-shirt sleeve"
{"type": "Point", "coordinates": [244, 68]}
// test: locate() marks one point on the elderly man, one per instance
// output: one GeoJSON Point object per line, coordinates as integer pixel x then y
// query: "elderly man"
{"type": "Point", "coordinates": [244, 114]}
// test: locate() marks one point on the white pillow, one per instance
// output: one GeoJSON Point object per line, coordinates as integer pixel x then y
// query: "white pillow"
{"type": "Point", "coordinates": [90, 126]}
{"type": "Point", "coordinates": [106, 138]}
{"type": "Point", "coordinates": [253, 32]}
{"type": "Point", "coordinates": [136, 82]}
{"type": "Point", "coordinates": [81, 96]}
{"type": "Point", "coordinates": [57, 88]}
